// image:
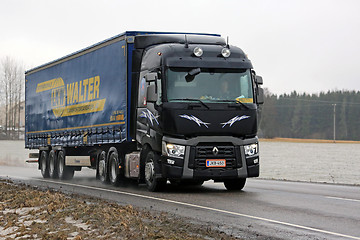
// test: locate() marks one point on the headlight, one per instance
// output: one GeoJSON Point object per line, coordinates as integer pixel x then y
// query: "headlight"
{"type": "Point", "coordinates": [251, 150]}
{"type": "Point", "coordinates": [173, 150]}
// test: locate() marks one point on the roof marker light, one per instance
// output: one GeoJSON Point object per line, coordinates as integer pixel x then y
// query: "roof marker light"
{"type": "Point", "coordinates": [225, 52]}
{"type": "Point", "coordinates": [198, 51]}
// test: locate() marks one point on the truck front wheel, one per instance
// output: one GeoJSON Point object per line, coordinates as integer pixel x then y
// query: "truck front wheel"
{"type": "Point", "coordinates": [153, 184]}
{"type": "Point", "coordinates": [235, 184]}
{"type": "Point", "coordinates": [44, 164]}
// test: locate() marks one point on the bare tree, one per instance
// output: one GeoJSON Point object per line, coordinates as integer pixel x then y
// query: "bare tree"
{"type": "Point", "coordinates": [12, 80]}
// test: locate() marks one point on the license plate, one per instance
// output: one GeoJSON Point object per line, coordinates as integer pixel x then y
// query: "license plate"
{"type": "Point", "coordinates": [215, 163]}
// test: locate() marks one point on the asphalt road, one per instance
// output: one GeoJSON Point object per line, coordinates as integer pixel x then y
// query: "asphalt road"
{"type": "Point", "coordinates": [264, 209]}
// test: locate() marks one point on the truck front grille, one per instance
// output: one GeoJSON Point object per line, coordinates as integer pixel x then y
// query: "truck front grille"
{"type": "Point", "coordinates": [200, 153]}
{"type": "Point", "coordinates": [215, 151]}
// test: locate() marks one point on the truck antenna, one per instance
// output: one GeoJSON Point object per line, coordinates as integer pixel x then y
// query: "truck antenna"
{"type": "Point", "coordinates": [186, 42]}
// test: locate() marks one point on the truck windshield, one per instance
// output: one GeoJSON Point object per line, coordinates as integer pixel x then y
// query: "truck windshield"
{"type": "Point", "coordinates": [210, 85]}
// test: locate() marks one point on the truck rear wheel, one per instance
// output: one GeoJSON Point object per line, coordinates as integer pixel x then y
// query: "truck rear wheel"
{"type": "Point", "coordinates": [64, 172]}
{"type": "Point", "coordinates": [53, 164]}
{"type": "Point", "coordinates": [235, 184]}
{"type": "Point", "coordinates": [115, 169]}
{"type": "Point", "coordinates": [44, 164]}
{"type": "Point", "coordinates": [153, 184]}
{"type": "Point", "coordinates": [102, 168]}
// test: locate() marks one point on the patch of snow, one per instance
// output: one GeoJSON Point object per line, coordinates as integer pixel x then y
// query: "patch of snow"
{"type": "Point", "coordinates": [77, 223]}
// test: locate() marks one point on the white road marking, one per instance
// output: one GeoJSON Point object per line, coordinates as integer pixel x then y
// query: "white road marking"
{"type": "Point", "coordinates": [345, 199]}
{"type": "Point", "coordinates": [206, 208]}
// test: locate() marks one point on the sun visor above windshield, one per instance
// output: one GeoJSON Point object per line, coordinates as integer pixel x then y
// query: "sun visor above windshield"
{"type": "Point", "coordinates": [208, 63]}
{"type": "Point", "coordinates": [144, 41]}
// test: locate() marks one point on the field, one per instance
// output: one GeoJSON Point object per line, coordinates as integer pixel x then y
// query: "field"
{"type": "Point", "coordinates": [299, 140]}
{"type": "Point", "coordinates": [310, 161]}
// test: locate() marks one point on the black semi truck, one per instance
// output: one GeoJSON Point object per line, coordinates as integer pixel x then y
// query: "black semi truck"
{"type": "Point", "coordinates": [149, 106]}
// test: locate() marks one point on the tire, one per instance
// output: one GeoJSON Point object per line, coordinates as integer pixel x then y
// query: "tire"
{"type": "Point", "coordinates": [64, 172]}
{"type": "Point", "coordinates": [53, 172]}
{"type": "Point", "coordinates": [153, 184]}
{"type": "Point", "coordinates": [235, 184]}
{"type": "Point", "coordinates": [103, 168]}
{"type": "Point", "coordinates": [44, 164]}
{"type": "Point", "coordinates": [115, 169]}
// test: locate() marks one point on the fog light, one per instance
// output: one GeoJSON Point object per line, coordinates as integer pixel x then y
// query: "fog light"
{"type": "Point", "coordinates": [225, 52]}
{"type": "Point", "coordinates": [198, 51]}
{"type": "Point", "coordinates": [169, 161]}
{"type": "Point", "coordinates": [256, 161]}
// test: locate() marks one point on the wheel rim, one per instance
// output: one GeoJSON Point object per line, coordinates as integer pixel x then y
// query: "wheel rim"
{"type": "Point", "coordinates": [51, 163]}
{"type": "Point", "coordinates": [113, 169]}
{"type": "Point", "coordinates": [102, 168]}
{"type": "Point", "coordinates": [61, 163]}
{"type": "Point", "coordinates": [43, 164]}
{"type": "Point", "coordinates": [149, 171]}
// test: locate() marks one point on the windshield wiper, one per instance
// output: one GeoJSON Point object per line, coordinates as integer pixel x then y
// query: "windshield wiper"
{"type": "Point", "coordinates": [192, 99]}
{"type": "Point", "coordinates": [232, 101]}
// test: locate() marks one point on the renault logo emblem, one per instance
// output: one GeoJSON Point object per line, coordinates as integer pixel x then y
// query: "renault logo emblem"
{"type": "Point", "coordinates": [215, 151]}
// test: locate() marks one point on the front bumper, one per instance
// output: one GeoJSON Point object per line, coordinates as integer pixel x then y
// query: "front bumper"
{"type": "Point", "coordinates": [199, 149]}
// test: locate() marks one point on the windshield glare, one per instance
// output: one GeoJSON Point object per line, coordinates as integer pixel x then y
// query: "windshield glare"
{"type": "Point", "coordinates": [210, 85]}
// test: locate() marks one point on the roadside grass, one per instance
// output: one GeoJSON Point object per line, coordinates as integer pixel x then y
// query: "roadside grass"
{"type": "Point", "coordinates": [30, 213]}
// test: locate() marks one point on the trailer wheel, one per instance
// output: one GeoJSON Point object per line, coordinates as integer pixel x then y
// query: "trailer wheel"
{"type": "Point", "coordinates": [115, 169]}
{"type": "Point", "coordinates": [64, 172]}
{"type": "Point", "coordinates": [235, 184]}
{"type": "Point", "coordinates": [153, 184]}
{"type": "Point", "coordinates": [53, 164]}
{"type": "Point", "coordinates": [44, 164]}
{"type": "Point", "coordinates": [102, 168]}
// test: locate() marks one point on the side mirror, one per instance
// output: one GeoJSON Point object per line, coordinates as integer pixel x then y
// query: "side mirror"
{"type": "Point", "coordinates": [258, 80]}
{"type": "Point", "coordinates": [151, 95]}
{"type": "Point", "coordinates": [151, 77]}
{"type": "Point", "coordinates": [260, 96]}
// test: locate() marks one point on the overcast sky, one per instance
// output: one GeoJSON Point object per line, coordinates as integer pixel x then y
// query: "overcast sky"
{"type": "Point", "coordinates": [303, 45]}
